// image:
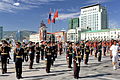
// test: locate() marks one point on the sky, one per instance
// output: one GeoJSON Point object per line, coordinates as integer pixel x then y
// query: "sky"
{"type": "Point", "coordinates": [28, 14]}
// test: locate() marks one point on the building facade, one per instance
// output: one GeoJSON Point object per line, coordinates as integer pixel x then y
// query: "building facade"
{"type": "Point", "coordinates": [72, 33]}
{"type": "Point", "coordinates": [73, 23]}
{"type": "Point", "coordinates": [1, 32]}
{"type": "Point", "coordinates": [34, 38]}
{"type": "Point", "coordinates": [42, 32]}
{"type": "Point", "coordinates": [105, 34]}
{"type": "Point", "coordinates": [93, 17]}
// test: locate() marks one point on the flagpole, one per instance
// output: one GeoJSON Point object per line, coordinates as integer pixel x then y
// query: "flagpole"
{"type": "Point", "coordinates": [51, 27]}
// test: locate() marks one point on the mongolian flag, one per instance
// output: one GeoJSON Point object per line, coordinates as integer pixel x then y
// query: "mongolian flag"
{"type": "Point", "coordinates": [53, 20]}
{"type": "Point", "coordinates": [49, 17]}
{"type": "Point", "coordinates": [56, 14]}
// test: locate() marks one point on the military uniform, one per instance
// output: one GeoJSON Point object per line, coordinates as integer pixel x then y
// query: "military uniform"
{"type": "Point", "coordinates": [53, 53]}
{"type": "Point", "coordinates": [87, 52]}
{"type": "Point", "coordinates": [18, 57]}
{"type": "Point", "coordinates": [99, 52]}
{"type": "Point", "coordinates": [26, 49]}
{"type": "Point", "coordinates": [56, 50]}
{"type": "Point", "coordinates": [31, 55]}
{"type": "Point", "coordinates": [48, 58]}
{"type": "Point", "coordinates": [25, 55]}
{"type": "Point", "coordinates": [82, 50]}
{"type": "Point", "coordinates": [4, 56]}
{"type": "Point", "coordinates": [42, 51]}
{"type": "Point", "coordinates": [37, 50]}
{"type": "Point", "coordinates": [77, 60]}
{"type": "Point", "coordinates": [60, 48]}
{"type": "Point", "coordinates": [69, 55]}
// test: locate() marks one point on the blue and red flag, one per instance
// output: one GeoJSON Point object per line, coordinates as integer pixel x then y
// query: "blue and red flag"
{"type": "Point", "coordinates": [49, 17]}
{"type": "Point", "coordinates": [55, 16]}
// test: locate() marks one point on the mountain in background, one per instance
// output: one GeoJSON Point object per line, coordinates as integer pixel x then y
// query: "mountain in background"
{"type": "Point", "coordinates": [12, 34]}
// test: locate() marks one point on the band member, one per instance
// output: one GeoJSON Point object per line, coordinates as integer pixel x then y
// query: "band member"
{"type": "Point", "coordinates": [99, 51]}
{"type": "Point", "coordinates": [77, 60]}
{"type": "Point", "coordinates": [42, 50]}
{"type": "Point", "coordinates": [31, 54]}
{"type": "Point", "coordinates": [114, 53]}
{"type": "Point", "coordinates": [48, 56]}
{"type": "Point", "coordinates": [95, 49]}
{"type": "Point", "coordinates": [9, 48]}
{"type": "Point", "coordinates": [69, 55]}
{"type": "Point", "coordinates": [4, 55]}
{"type": "Point", "coordinates": [56, 50]}
{"type": "Point", "coordinates": [104, 48]}
{"type": "Point", "coordinates": [18, 55]}
{"type": "Point", "coordinates": [82, 49]}
{"type": "Point", "coordinates": [60, 48]}
{"type": "Point", "coordinates": [26, 51]}
{"type": "Point", "coordinates": [53, 52]}
{"type": "Point", "coordinates": [37, 50]}
{"type": "Point", "coordinates": [87, 52]}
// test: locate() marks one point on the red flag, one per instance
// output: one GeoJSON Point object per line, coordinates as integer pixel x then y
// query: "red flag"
{"type": "Point", "coordinates": [56, 14]}
{"type": "Point", "coordinates": [49, 21]}
{"type": "Point", "coordinates": [53, 21]}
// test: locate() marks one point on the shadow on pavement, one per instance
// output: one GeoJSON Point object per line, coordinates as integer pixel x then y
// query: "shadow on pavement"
{"type": "Point", "coordinates": [38, 77]}
{"type": "Point", "coordinates": [30, 70]}
{"type": "Point", "coordinates": [4, 75]}
{"type": "Point", "coordinates": [60, 71]}
{"type": "Point", "coordinates": [97, 75]}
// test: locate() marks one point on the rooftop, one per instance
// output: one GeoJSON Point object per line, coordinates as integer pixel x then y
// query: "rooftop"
{"type": "Point", "coordinates": [103, 30]}
{"type": "Point", "coordinates": [90, 6]}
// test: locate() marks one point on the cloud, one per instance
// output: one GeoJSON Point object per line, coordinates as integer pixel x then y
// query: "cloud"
{"type": "Point", "coordinates": [16, 4]}
{"type": "Point", "coordinates": [96, 1]}
{"type": "Point", "coordinates": [73, 9]}
{"type": "Point", "coordinates": [68, 16]}
{"type": "Point", "coordinates": [13, 5]}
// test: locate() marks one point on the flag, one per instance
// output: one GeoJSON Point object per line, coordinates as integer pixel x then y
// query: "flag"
{"type": "Point", "coordinates": [49, 18]}
{"type": "Point", "coordinates": [56, 14]}
{"type": "Point", "coordinates": [53, 20]}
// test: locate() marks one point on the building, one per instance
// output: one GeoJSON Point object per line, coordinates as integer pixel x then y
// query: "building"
{"type": "Point", "coordinates": [34, 38]}
{"type": "Point", "coordinates": [93, 17]}
{"type": "Point", "coordinates": [105, 34]}
{"type": "Point", "coordinates": [1, 32]}
{"type": "Point", "coordinates": [73, 30]}
{"type": "Point", "coordinates": [56, 36]}
{"type": "Point", "coordinates": [18, 36]}
{"type": "Point", "coordinates": [42, 32]}
{"type": "Point", "coordinates": [60, 36]}
{"type": "Point", "coordinates": [73, 23]}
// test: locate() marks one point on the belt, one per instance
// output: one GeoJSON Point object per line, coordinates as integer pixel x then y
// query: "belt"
{"type": "Point", "coordinates": [78, 56]}
{"type": "Point", "coordinates": [4, 53]}
{"type": "Point", "coordinates": [87, 50]}
{"type": "Point", "coordinates": [70, 53]}
{"type": "Point", "coordinates": [18, 56]}
{"type": "Point", "coordinates": [48, 53]}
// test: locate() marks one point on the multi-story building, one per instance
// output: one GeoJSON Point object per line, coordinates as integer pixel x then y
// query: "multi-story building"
{"type": "Point", "coordinates": [1, 32]}
{"type": "Point", "coordinates": [72, 33]}
{"type": "Point", "coordinates": [34, 38]}
{"type": "Point", "coordinates": [73, 23]}
{"type": "Point", "coordinates": [105, 34]}
{"type": "Point", "coordinates": [93, 17]}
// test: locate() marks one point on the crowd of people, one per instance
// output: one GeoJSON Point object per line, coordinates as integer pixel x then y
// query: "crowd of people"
{"type": "Point", "coordinates": [49, 51]}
